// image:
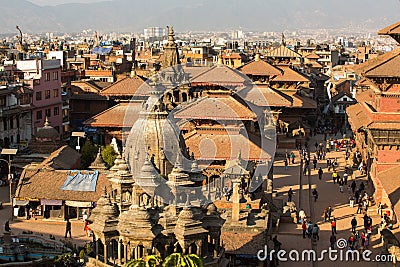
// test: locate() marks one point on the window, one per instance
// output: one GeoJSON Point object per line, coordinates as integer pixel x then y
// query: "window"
{"type": "Point", "coordinates": [56, 111]}
{"type": "Point", "coordinates": [55, 75]}
{"type": "Point", "coordinates": [38, 96]}
{"type": "Point", "coordinates": [11, 122]}
{"type": "Point", "coordinates": [47, 94]}
{"type": "Point", "coordinates": [55, 92]}
{"type": "Point", "coordinates": [47, 76]}
{"type": "Point", "coordinates": [39, 115]}
{"type": "Point", "coordinates": [48, 112]}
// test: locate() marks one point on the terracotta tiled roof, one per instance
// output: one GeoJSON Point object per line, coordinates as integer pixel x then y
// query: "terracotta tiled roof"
{"type": "Point", "coordinates": [115, 116]}
{"type": "Point", "coordinates": [264, 96]}
{"type": "Point", "coordinates": [290, 75]}
{"type": "Point", "coordinates": [84, 86]}
{"type": "Point", "coordinates": [365, 96]}
{"type": "Point", "coordinates": [300, 101]}
{"type": "Point", "coordinates": [312, 56]}
{"type": "Point", "coordinates": [224, 146]}
{"type": "Point", "coordinates": [40, 183]}
{"type": "Point", "coordinates": [357, 117]}
{"type": "Point", "coordinates": [216, 107]}
{"type": "Point", "coordinates": [128, 86]}
{"type": "Point", "coordinates": [243, 243]}
{"type": "Point", "coordinates": [386, 65]}
{"type": "Point", "coordinates": [385, 125]}
{"type": "Point", "coordinates": [392, 29]}
{"type": "Point", "coordinates": [315, 65]}
{"type": "Point", "coordinates": [390, 182]}
{"type": "Point", "coordinates": [283, 51]}
{"type": "Point", "coordinates": [194, 71]}
{"type": "Point", "coordinates": [261, 68]}
{"type": "Point", "coordinates": [220, 75]}
{"type": "Point", "coordinates": [64, 158]}
{"type": "Point", "coordinates": [89, 96]}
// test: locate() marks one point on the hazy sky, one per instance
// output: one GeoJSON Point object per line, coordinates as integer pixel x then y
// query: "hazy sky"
{"type": "Point", "coordinates": [57, 2]}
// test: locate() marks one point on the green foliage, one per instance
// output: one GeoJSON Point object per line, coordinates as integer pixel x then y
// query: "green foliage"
{"type": "Point", "coordinates": [173, 260]}
{"type": "Point", "coordinates": [63, 260]}
{"type": "Point", "coordinates": [82, 254]}
{"type": "Point", "coordinates": [180, 260]}
{"type": "Point", "coordinates": [109, 155]}
{"type": "Point", "coordinates": [149, 261]}
{"type": "Point", "coordinates": [89, 152]}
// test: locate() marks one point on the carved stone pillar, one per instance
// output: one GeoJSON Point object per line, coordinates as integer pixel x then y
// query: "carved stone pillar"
{"type": "Point", "coordinates": [199, 245]}
{"type": "Point", "coordinates": [119, 251]}
{"type": "Point", "coordinates": [96, 248]}
{"type": "Point", "coordinates": [105, 252]}
{"type": "Point", "coordinates": [236, 201]}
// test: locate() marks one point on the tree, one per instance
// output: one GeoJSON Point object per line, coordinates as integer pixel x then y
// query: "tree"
{"type": "Point", "coordinates": [149, 261]}
{"type": "Point", "coordinates": [109, 155]}
{"type": "Point", "coordinates": [180, 260]}
{"type": "Point", "coordinates": [89, 152]}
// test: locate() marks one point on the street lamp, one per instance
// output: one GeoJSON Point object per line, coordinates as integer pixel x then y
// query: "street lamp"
{"type": "Point", "coordinates": [9, 152]}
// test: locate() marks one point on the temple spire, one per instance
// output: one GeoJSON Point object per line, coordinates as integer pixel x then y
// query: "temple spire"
{"type": "Point", "coordinates": [171, 35]}
{"type": "Point", "coordinates": [171, 54]}
{"type": "Point", "coordinates": [283, 39]}
{"type": "Point", "coordinates": [47, 123]}
{"type": "Point", "coordinates": [220, 62]}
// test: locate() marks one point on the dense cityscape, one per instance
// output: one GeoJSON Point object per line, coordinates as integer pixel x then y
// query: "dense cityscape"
{"type": "Point", "coordinates": [171, 148]}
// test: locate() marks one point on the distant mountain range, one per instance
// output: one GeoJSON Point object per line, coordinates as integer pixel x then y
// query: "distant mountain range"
{"type": "Point", "coordinates": [195, 15]}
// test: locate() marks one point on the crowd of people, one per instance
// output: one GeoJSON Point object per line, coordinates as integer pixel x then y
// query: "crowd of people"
{"type": "Point", "coordinates": [360, 200]}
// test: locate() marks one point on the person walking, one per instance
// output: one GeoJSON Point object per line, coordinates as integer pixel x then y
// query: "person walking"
{"type": "Point", "coordinates": [332, 240]}
{"type": "Point", "coordinates": [304, 228]}
{"type": "Point", "coordinates": [290, 195]}
{"type": "Point", "coordinates": [334, 176]}
{"type": "Point", "coordinates": [345, 176]}
{"type": "Point", "coordinates": [309, 229]}
{"type": "Point", "coordinates": [333, 226]}
{"type": "Point", "coordinates": [380, 207]}
{"type": "Point", "coordinates": [286, 164]}
{"type": "Point", "coordinates": [360, 207]}
{"type": "Point", "coordinates": [329, 212]}
{"type": "Point", "coordinates": [315, 232]}
{"type": "Point", "coordinates": [315, 161]}
{"type": "Point", "coordinates": [320, 172]}
{"type": "Point", "coordinates": [68, 229]}
{"type": "Point", "coordinates": [325, 214]}
{"type": "Point", "coordinates": [340, 182]}
{"type": "Point", "coordinates": [86, 228]}
{"type": "Point", "coordinates": [302, 215]}
{"type": "Point", "coordinates": [315, 194]}
{"type": "Point", "coordinates": [353, 224]}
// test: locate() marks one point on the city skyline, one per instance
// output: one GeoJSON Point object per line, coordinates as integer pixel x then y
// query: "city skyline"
{"type": "Point", "coordinates": [204, 15]}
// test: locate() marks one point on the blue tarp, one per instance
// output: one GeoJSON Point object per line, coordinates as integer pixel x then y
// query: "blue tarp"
{"type": "Point", "coordinates": [102, 50]}
{"type": "Point", "coordinates": [77, 181]}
